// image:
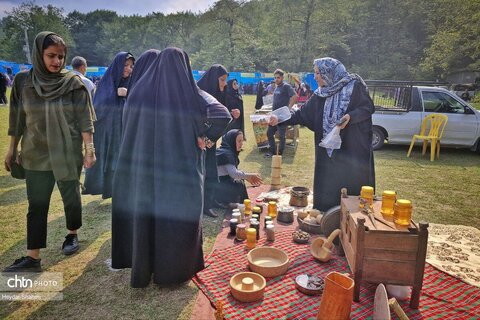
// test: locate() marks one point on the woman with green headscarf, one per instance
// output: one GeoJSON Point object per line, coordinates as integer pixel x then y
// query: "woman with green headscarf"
{"type": "Point", "coordinates": [52, 115]}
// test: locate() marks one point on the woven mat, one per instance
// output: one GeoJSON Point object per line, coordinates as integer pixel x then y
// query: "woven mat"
{"type": "Point", "coordinates": [443, 296]}
{"type": "Point", "coordinates": [455, 250]}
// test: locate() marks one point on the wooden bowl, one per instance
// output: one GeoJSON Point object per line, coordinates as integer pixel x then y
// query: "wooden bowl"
{"type": "Point", "coordinates": [297, 239]}
{"type": "Point", "coordinates": [247, 286]}
{"type": "Point", "coordinates": [309, 227]}
{"type": "Point", "coordinates": [304, 285]}
{"type": "Point", "coordinates": [268, 261]}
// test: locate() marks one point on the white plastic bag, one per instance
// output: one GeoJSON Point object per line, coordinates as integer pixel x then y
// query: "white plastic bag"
{"type": "Point", "coordinates": [283, 114]}
{"type": "Point", "coordinates": [332, 140]}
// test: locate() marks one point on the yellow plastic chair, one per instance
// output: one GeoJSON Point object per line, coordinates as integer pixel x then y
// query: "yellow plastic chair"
{"type": "Point", "coordinates": [436, 122]}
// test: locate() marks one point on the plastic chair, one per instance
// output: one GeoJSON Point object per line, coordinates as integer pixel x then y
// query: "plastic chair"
{"type": "Point", "coordinates": [436, 122]}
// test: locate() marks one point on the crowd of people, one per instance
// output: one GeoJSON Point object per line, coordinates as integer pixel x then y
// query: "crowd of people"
{"type": "Point", "coordinates": [147, 135]}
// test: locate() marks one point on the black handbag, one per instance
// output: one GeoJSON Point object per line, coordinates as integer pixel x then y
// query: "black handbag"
{"type": "Point", "coordinates": [16, 170]}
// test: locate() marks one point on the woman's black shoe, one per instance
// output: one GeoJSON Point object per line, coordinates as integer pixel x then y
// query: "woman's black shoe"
{"type": "Point", "coordinates": [210, 213]}
{"type": "Point", "coordinates": [25, 264]}
{"type": "Point", "coordinates": [221, 205]}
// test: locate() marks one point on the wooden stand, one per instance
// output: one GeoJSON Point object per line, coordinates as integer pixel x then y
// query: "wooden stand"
{"type": "Point", "coordinates": [276, 172]}
{"type": "Point", "coordinates": [386, 253]}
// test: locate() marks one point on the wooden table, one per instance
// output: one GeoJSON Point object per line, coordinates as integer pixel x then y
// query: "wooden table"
{"type": "Point", "coordinates": [385, 252]}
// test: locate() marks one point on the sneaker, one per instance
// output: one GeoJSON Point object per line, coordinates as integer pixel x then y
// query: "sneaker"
{"type": "Point", "coordinates": [70, 245]}
{"type": "Point", "coordinates": [25, 264]}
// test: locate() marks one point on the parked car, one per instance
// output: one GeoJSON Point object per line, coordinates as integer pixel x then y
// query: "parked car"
{"type": "Point", "coordinates": [400, 109]}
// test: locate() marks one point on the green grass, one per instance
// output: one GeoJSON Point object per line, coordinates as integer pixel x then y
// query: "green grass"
{"type": "Point", "coordinates": [445, 191]}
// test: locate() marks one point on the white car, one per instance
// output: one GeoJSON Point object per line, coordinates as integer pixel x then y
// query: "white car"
{"type": "Point", "coordinates": [397, 125]}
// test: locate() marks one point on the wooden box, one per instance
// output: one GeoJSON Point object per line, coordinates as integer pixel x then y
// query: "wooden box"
{"type": "Point", "coordinates": [385, 252]}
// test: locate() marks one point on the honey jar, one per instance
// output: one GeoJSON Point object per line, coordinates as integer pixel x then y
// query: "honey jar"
{"type": "Point", "coordinates": [270, 232]}
{"type": "Point", "coordinates": [248, 206]}
{"type": "Point", "coordinates": [366, 196]}
{"type": "Point", "coordinates": [257, 210]}
{"type": "Point", "coordinates": [259, 203]}
{"type": "Point", "coordinates": [267, 219]}
{"type": "Point", "coordinates": [251, 238]}
{"type": "Point", "coordinates": [241, 232]}
{"type": "Point", "coordinates": [272, 209]}
{"type": "Point", "coordinates": [388, 201]}
{"type": "Point", "coordinates": [403, 212]}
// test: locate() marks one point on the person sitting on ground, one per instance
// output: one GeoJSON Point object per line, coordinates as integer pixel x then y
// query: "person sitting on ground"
{"type": "Point", "coordinates": [231, 188]}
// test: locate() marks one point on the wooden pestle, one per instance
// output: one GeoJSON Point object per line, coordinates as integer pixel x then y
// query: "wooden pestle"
{"type": "Point", "coordinates": [393, 303]}
{"type": "Point", "coordinates": [324, 253]}
{"type": "Point", "coordinates": [329, 242]}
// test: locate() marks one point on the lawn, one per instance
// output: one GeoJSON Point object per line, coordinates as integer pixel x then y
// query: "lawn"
{"type": "Point", "coordinates": [445, 191]}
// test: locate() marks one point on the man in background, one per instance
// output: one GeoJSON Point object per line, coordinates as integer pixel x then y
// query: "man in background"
{"type": "Point", "coordinates": [283, 95]}
{"type": "Point", "coordinates": [79, 66]}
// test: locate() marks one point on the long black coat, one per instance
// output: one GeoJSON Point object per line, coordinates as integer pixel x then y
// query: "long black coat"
{"type": "Point", "coordinates": [235, 101]}
{"type": "Point", "coordinates": [352, 165]}
{"type": "Point", "coordinates": [158, 185]}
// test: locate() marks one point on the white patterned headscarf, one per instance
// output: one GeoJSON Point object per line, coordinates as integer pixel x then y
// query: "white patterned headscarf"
{"type": "Point", "coordinates": [337, 91]}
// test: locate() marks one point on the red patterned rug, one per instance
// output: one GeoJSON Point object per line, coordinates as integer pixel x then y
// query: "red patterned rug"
{"type": "Point", "coordinates": [443, 296]}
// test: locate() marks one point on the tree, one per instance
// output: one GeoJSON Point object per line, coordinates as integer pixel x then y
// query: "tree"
{"type": "Point", "coordinates": [34, 19]}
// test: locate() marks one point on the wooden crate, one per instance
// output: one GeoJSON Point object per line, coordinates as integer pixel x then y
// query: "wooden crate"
{"type": "Point", "coordinates": [388, 254]}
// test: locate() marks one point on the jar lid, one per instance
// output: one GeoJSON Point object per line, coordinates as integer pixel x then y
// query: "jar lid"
{"type": "Point", "coordinates": [367, 189]}
{"type": "Point", "coordinates": [236, 214]}
{"type": "Point", "coordinates": [404, 203]}
{"type": "Point", "coordinates": [254, 222]}
{"type": "Point", "coordinates": [235, 210]}
{"type": "Point", "coordinates": [241, 226]}
{"type": "Point", "coordinates": [246, 201]}
{"type": "Point", "coordinates": [268, 223]}
{"type": "Point", "coordinates": [257, 209]}
{"type": "Point", "coordinates": [271, 203]}
{"type": "Point", "coordinates": [270, 226]}
{"type": "Point", "coordinates": [389, 193]}
{"type": "Point", "coordinates": [268, 218]}
{"type": "Point", "coordinates": [233, 220]}
{"type": "Point", "coordinates": [252, 230]}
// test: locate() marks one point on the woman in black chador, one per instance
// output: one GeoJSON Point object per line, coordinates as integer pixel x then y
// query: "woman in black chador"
{"type": "Point", "coordinates": [259, 98]}
{"type": "Point", "coordinates": [340, 96]}
{"type": "Point", "coordinates": [213, 81]}
{"type": "Point", "coordinates": [234, 103]}
{"type": "Point", "coordinates": [232, 188]}
{"type": "Point", "coordinates": [108, 102]}
{"type": "Point", "coordinates": [158, 185]}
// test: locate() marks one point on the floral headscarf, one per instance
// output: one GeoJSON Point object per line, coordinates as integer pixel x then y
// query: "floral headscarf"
{"type": "Point", "coordinates": [337, 91]}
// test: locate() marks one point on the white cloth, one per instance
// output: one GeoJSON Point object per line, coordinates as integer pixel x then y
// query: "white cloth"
{"type": "Point", "coordinates": [87, 82]}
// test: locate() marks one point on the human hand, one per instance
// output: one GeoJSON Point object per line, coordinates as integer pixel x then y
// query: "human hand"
{"type": "Point", "coordinates": [273, 120]}
{"type": "Point", "coordinates": [344, 121]}
{"type": "Point", "coordinates": [254, 179]}
{"type": "Point", "coordinates": [89, 160]}
{"type": "Point", "coordinates": [122, 92]}
{"type": "Point", "coordinates": [235, 113]}
{"type": "Point", "coordinates": [201, 143]}
{"type": "Point", "coordinates": [8, 159]}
